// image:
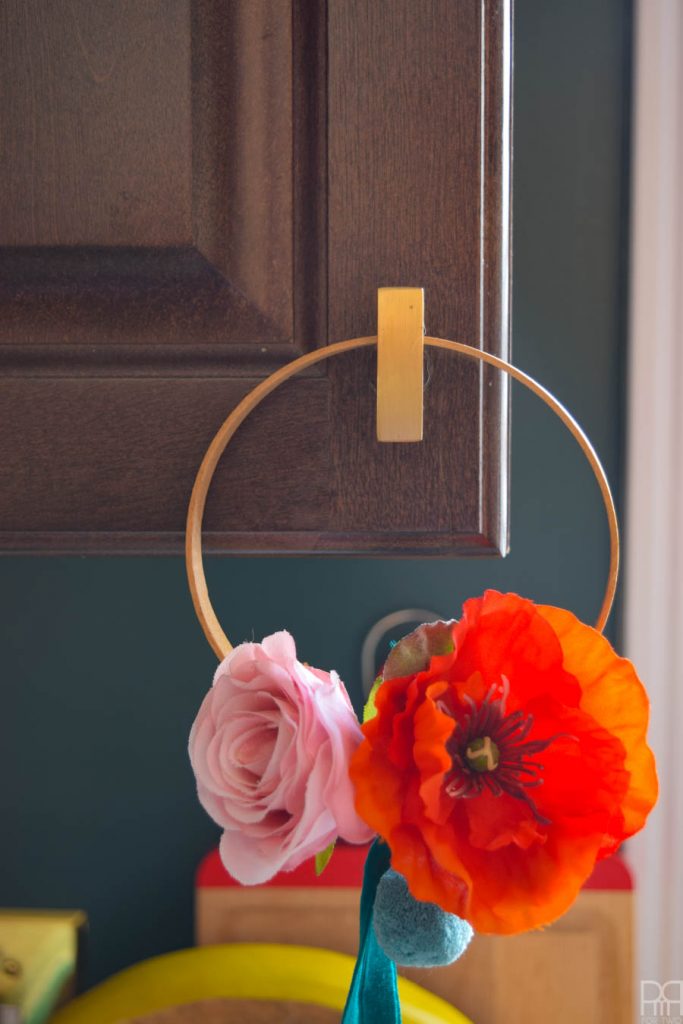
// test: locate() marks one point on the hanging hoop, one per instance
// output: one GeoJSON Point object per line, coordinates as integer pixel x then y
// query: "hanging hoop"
{"type": "Point", "coordinates": [193, 538]}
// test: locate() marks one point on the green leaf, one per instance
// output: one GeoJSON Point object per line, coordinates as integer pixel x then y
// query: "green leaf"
{"type": "Point", "coordinates": [369, 711]}
{"type": "Point", "coordinates": [323, 858]}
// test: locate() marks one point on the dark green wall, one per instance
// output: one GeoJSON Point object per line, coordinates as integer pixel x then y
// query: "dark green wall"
{"type": "Point", "coordinates": [103, 662]}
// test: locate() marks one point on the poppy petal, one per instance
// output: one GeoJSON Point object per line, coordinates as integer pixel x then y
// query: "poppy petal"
{"type": "Point", "coordinates": [504, 637]}
{"type": "Point", "coordinates": [614, 696]}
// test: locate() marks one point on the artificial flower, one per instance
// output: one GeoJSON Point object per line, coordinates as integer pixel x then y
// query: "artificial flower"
{"type": "Point", "coordinates": [270, 749]}
{"type": "Point", "coordinates": [500, 771]}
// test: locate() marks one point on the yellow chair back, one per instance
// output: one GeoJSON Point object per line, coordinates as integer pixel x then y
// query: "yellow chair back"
{"type": "Point", "coordinates": [246, 971]}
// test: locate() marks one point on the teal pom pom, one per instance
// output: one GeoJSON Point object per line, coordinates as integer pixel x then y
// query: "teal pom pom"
{"type": "Point", "coordinates": [416, 934]}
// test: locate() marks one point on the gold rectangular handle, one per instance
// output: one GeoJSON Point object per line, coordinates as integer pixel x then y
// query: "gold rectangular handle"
{"type": "Point", "coordinates": [400, 362]}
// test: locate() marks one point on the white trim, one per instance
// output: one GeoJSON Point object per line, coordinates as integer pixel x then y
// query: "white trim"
{"type": "Point", "coordinates": [654, 512]}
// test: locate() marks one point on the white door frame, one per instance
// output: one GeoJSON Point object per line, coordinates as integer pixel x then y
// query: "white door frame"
{"type": "Point", "coordinates": [654, 501]}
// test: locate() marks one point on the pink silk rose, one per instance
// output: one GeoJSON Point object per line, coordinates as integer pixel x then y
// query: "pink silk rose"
{"type": "Point", "coordinates": [270, 749]}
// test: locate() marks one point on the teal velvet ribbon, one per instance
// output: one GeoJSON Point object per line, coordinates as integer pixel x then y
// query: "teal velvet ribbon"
{"type": "Point", "coordinates": [373, 996]}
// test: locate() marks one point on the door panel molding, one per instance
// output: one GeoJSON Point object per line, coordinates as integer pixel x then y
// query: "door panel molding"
{"type": "Point", "coordinates": [201, 190]}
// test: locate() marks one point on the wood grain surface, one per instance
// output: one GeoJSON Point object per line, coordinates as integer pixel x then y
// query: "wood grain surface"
{"type": "Point", "coordinates": [578, 969]}
{"type": "Point", "coordinates": [196, 191]}
{"type": "Point", "coordinates": [240, 1011]}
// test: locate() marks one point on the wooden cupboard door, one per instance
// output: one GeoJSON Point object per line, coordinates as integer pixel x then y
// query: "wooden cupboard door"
{"type": "Point", "coordinates": [197, 191]}
{"type": "Point", "coordinates": [580, 968]}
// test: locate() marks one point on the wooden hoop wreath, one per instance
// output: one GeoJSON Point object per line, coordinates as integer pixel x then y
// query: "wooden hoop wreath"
{"type": "Point", "coordinates": [193, 538]}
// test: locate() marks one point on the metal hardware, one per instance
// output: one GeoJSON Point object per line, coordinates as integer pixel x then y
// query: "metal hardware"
{"type": "Point", "coordinates": [400, 363]}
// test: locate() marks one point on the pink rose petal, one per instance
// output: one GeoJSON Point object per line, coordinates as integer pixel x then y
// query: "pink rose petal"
{"type": "Point", "coordinates": [270, 750]}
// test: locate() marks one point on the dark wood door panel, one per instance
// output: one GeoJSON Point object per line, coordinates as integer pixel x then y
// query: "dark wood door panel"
{"type": "Point", "coordinates": [199, 191]}
{"type": "Point", "coordinates": [148, 177]}
{"type": "Point", "coordinates": [97, 145]}
{"type": "Point", "coordinates": [418, 193]}
{"type": "Point", "coordinates": [71, 452]}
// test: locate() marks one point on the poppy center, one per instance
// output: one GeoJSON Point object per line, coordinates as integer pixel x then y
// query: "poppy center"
{"type": "Point", "coordinates": [491, 750]}
{"type": "Point", "coordinates": [482, 754]}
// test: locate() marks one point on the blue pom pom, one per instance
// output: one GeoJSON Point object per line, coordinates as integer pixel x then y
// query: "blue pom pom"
{"type": "Point", "coordinates": [415, 934]}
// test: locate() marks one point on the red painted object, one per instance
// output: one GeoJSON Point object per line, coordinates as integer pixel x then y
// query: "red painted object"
{"type": "Point", "coordinates": [346, 870]}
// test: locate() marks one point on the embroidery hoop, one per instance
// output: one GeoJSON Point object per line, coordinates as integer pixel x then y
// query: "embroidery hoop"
{"type": "Point", "coordinates": [194, 562]}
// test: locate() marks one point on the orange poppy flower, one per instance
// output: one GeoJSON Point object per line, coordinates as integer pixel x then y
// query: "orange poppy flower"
{"type": "Point", "coordinates": [499, 772]}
